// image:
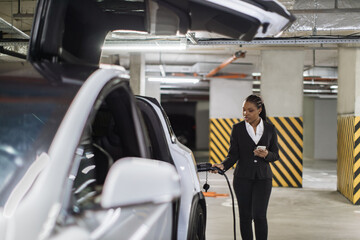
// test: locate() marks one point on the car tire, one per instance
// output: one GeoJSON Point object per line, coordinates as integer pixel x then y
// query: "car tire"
{"type": "Point", "coordinates": [197, 227]}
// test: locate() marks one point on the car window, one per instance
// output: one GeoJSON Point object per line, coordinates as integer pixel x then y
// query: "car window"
{"type": "Point", "coordinates": [30, 114]}
{"type": "Point", "coordinates": [24, 133]}
{"type": "Point", "coordinates": [158, 143]}
{"type": "Point", "coordinates": [110, 134]}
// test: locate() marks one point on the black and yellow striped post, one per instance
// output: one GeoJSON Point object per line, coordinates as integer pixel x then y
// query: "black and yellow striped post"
{"type": "Point", "coordinates": [348, 164]}
{"type": "Point", "coordinates": [220, 130]}
{"type": "Point", "coordinates": [288, 170]}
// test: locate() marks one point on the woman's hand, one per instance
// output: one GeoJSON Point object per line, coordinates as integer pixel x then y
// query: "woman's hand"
{"type": "Point", "coordinates": [218, 165]}
{"type": "Point", "coordinates": [261, 153]}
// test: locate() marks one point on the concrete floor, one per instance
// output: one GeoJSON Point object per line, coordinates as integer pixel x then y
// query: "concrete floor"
{"type": "Point", "coordinates": [316, 211]}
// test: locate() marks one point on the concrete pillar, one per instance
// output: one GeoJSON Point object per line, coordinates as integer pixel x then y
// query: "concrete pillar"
{"type": "Point", "coordinates": [226, 98]}
{"type": "Point", "coordinates": [137, 73]}
{"type": "Point", "coordinates": [282, 92]}
{"type": "Point", "coordinates": [282, 82]}
{"type": "Point", "coordinates": [152, 89]}
{"type": "Point", "coordinates": [349, 81]}
{"type": "Point", "coordinates": [348, 110]}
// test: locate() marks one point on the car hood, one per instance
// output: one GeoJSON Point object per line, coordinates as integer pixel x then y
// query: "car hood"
{"type": "Point", "coordinates": [73, 31]}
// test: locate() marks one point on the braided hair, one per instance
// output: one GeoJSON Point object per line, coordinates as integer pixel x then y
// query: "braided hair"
{"type": "Point", "coordinates": [258, 102]}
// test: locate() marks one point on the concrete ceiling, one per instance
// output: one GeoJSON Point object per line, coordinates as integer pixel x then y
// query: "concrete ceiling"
{"type": "Point", "coordinates": [323, 37]}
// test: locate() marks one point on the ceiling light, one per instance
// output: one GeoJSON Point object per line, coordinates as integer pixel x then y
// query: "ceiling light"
{"type": "Point", "coordinates": [173, 80]}
{"type": "Point", "coordinates": [130, 32]}
{"type": "Point", "coordinates": [319, 91]}
{"type": "Point", "coordinates": [144, 47]}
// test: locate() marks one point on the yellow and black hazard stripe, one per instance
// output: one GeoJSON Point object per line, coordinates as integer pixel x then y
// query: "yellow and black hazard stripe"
{"type": "Point", "coordinates": [357, 162]}
{"type": "Point", "coordinates": [288, 170]}
{"type": "Point", "coordinates": [348, 164]}
{"type": "Point", "coordinates": [345, 152]}
{"type": "Point", "coordinates": [220, 131]}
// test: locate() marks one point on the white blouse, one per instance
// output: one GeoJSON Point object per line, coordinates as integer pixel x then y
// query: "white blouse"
{"type": "Point", "coordinates": [259, 131]}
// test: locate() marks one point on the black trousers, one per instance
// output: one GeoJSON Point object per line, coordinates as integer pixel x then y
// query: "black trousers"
{"type": "Point", "coordinates": [253, 199]}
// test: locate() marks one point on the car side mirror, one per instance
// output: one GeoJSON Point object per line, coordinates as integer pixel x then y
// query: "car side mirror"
{"type": "Point", "coordinates": [134, 181]}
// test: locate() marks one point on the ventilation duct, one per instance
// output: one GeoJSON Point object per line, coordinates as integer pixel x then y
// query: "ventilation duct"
{"type": "Point", "coordinates": [324, 17]}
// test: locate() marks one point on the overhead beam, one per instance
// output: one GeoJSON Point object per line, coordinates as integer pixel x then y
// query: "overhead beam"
{"type": "Point", "coordinates": [325, 10]}
{"type": "Point", "coordinates": [280, 41]}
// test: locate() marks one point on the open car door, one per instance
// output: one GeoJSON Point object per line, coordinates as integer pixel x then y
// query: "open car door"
{"type": "Point", "coordinates": [239, 19]}
{"type": "Point", "coordinates": [73, 31]}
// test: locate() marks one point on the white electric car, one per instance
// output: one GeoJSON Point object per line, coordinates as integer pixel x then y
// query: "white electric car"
{"type": "Point", "coordinates": [80, 156]}
{"type": "Point", "coordinates": [91, 162]}
{"type": "Point", "coordinates": [76, 163]}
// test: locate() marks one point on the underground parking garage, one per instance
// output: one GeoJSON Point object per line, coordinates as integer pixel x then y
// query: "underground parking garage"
{"type": "Point", "coordinates": [113, 112]}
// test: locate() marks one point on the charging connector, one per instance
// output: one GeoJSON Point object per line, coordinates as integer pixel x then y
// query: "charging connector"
{"type": "Point", "coordinates": [205, 167]}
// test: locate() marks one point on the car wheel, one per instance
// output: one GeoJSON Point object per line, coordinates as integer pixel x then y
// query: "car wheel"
{"type": "Point", "coordinates": [198, 225]}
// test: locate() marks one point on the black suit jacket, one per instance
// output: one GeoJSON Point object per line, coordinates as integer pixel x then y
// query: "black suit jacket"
{"type": "Point", "coordinates": [241, 152]}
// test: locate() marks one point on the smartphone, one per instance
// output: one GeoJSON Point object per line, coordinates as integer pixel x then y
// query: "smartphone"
{"type": "Point", "coordinates": [261, 147]}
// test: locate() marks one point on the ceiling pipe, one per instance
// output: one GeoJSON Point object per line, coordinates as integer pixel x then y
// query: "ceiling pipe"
{"type": "Point", "coordinates": [316, 80]}
{"type": "Point", "coordinates": [313, 15]}
{"type": "Point", "coordinates": [237, 55]}
{"type": "Point", "coordinates": [232, 76]}
{"type": "Point", "coordinates": [325, 10]}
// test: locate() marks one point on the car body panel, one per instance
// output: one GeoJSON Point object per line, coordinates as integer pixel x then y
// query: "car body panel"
{"type": "Point", "coordinates": [145, 213]}
{"type": "Point", "coordinates": [185, 164]}
{"type": "Point", "coordinates": [273, 19]}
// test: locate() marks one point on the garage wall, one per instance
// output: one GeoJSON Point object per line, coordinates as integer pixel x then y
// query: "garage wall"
{"type": "Point", "coordinates": [325, 130]}
{"type": "Point", "coordinates": [309, 127]}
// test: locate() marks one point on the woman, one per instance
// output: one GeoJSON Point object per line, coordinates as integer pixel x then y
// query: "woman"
{"type": "Point", "coordinates": [253, 144]}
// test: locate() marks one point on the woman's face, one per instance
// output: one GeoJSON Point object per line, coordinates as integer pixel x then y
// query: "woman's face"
{"type": "Point", "coordinates": [251, 112]}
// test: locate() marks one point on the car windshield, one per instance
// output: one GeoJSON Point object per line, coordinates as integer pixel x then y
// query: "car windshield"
{"type": "Point", "coordinates": [30, 115]}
